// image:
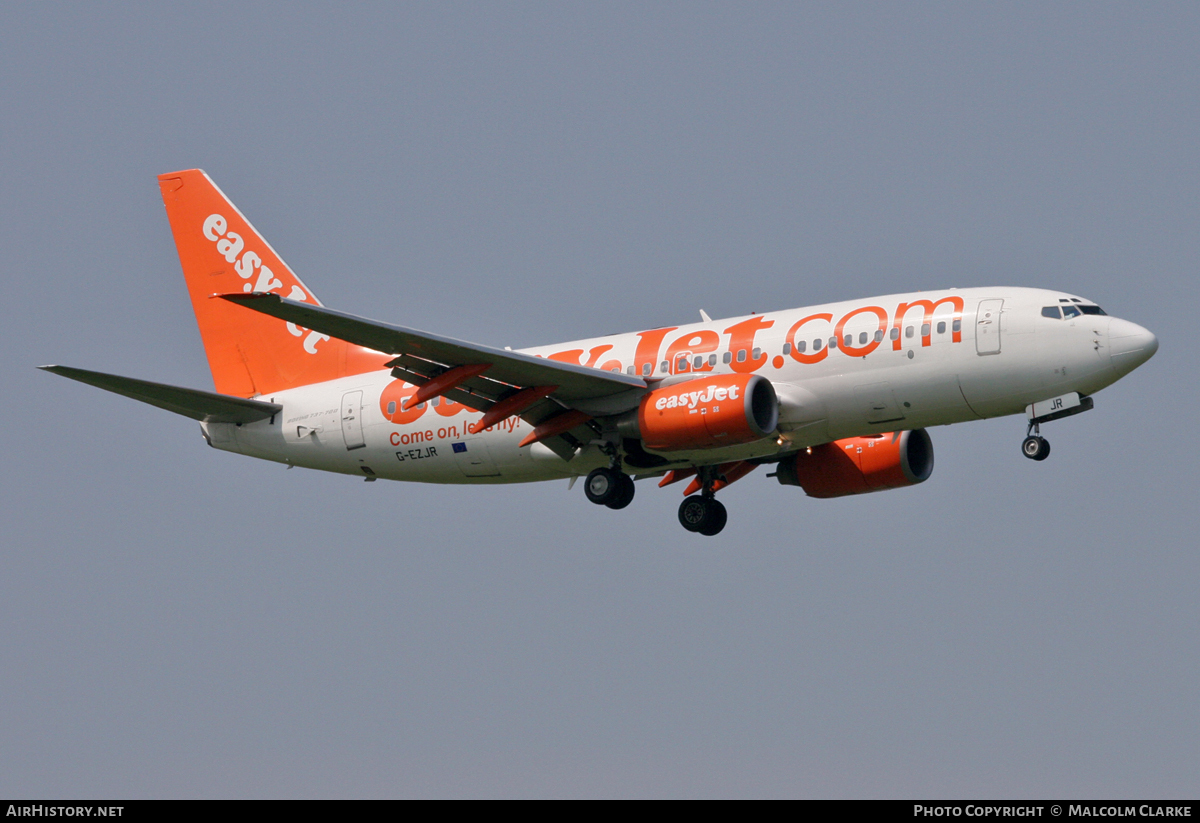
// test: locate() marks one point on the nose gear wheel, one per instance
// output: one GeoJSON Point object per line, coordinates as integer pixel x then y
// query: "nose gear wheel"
{"type": "Point", "coordinates": [1036, 448]}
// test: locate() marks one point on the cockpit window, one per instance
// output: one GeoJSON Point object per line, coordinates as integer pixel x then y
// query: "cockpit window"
{"type": "Point", "coordinates": [1070, 311]}
{"type": "Point", "coordinates": [1052, 311]}
{"type": "Point", "coordinates": [1093, 310]}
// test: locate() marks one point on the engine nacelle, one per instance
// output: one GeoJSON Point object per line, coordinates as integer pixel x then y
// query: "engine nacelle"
{"type": "Point", "coordinates": [858, 465]}
{"type": "Point", "coordinates": [706, 413]}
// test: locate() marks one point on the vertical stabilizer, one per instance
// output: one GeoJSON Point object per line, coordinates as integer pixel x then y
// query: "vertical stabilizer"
{"type": "Point", "coordinates": [249, 354]}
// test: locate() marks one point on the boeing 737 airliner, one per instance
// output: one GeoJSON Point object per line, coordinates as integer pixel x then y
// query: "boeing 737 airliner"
{"type": "Point", "coordinates": [834, 399]}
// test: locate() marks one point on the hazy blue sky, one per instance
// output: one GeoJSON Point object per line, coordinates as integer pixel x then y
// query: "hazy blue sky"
{"type": "Point", "coordinates": [182, 622]}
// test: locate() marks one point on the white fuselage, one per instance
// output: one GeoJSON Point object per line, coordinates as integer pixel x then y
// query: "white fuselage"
{"type": "Point", "coordinates": [979, 353]}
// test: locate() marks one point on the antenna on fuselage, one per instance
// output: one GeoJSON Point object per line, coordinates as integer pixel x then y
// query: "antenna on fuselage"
{"type": "Point", "coordinates": [704, 316]}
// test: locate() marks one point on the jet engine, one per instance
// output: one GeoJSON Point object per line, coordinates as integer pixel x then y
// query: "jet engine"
{"type": "Point", "coordinates": [705, 413]}
{"type": "Point", "coordinates": [858, 465]}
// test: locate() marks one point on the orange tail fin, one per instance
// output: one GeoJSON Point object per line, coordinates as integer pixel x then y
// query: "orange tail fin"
{"type": "Point", "coordinates": [249, 354]}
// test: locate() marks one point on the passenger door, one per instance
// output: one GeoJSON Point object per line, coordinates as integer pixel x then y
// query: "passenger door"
{"type": "Point", "coordinates": [987, 326]}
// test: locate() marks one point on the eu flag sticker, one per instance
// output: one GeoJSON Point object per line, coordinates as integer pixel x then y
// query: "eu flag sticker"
{"type": "Point", "coordinates": [459, 448]}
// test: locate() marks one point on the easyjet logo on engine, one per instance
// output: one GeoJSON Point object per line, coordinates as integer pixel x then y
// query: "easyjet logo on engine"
{"type": "Point", "coordinates": [249, 265]}
{"type": "Point", "coordinates": [689, 400]}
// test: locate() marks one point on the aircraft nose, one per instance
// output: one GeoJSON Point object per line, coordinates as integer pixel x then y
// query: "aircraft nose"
{"type": "Point", "coordinates": [1130, 345]}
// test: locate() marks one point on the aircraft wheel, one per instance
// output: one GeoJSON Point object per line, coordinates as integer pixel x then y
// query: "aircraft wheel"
{"type": "Point", "coordinates": [716, 519]}
{"type": "Point", "coordinates": [692, 512]}
{"type": "Point", "coordinates": [1036, 448]}
{"type": "Point", "coordinates": [624, 495]}
{"type": "Point", "coordinates": [702, 514]}
{"type": "Point", "coordinates": [602, 486]}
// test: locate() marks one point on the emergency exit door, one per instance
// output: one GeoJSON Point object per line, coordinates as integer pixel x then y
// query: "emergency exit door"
{"type": "Point", "coordinates": [352, 431]}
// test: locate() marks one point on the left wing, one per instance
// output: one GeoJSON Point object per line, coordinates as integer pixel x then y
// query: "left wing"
{"type": "Point", "coordinates": [486, 376]}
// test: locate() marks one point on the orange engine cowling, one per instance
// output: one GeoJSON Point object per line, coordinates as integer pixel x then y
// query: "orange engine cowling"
{"type": "Point", "coordinates": [708, 412]}
{"type": "Point", "coordinates": [858, 465]}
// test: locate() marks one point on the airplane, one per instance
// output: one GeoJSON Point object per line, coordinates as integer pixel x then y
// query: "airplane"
{"type": "Point", "coordinates": [835, 399]}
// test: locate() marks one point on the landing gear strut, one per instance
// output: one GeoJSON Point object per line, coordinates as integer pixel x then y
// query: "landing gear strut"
{"type": "Point", "coordinates": [609, 487]}
{"type": "Point", "coordinates": [703, 513]}
{"type": "Point", "coordinates": [1035, 446]}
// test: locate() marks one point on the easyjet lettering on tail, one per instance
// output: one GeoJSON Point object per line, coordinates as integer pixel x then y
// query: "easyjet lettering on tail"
{"type": "Point", "coordinates": [836, 398]}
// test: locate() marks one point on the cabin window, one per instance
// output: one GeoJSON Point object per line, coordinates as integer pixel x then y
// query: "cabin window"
{"type": "Point", "coordinates": [817, 344]}
{"type": "Point", "coordinates": [895, 333]}
{"type": "Point", "coordinates": [957, 325]}
{"type": "Point", "coordinates": [664, 367]}
{"type": "Point", "coordinates": [908, 332]}
{"type": "Point", "coordinates": [391, 407]}
{"type": "Point", "coordinates": [801, 346]}
{"type": "Point", "coordinates": [833, 342]}
{"type": "Point", "coordinates": [1052, 312]}
{"type": "Point", "coordinates": [757, 353]}
{"type": "Point", "coordinates": [727, 357]}
{"type": "Point", "coordinates": [879, 335]}
{"type": "Point", "coordinates": [942, 327]}
{"type": "Point", "coordinates": [862, 338]}
{"type": "Point", "coordinates": [437, 401]}
{"type": "Point", "coordinates": [924, 329]}
{"type": "Point", "coordinates": [698, 362]}
{"type": "Point", "coordinates": [712, 360]}
{"type": "Point", "coordinates": [848, 340]}
{"type": "Point", "coordinates": [787, 348]}
{"type": "Point", "coordinates": [681, 364]}
{"type": "Point", "coordinates": [741, 355]}
{"type": "Point", "coordinates": [629, 370]}
{"type": "Point", "coordinates": [647, 368]}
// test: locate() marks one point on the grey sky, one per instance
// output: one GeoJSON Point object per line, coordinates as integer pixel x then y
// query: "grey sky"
{"type": "Point", "coordinates": [182, 622]}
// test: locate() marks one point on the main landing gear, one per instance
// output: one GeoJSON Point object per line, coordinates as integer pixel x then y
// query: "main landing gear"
{"type": "Point", "coordinates": [1035, 446]}
{"type": "Point", "coordinates": [609, 487]}
{"type": "Point", "coordinates": [703, 513]}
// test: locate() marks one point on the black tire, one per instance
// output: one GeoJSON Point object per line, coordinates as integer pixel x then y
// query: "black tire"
{"type": "Point", "coordinates": [693, 512]}
{"type": "Point", "coordinates": [624, 494]}
{"type": "Point", "coordinates": [716, 519]}
{"type": "Point", "coordinates": [1045, 449]}
{"type": "Point", "coordinates": [1036, 448]}
{"type": "Point", "coordinates": [602, 485]}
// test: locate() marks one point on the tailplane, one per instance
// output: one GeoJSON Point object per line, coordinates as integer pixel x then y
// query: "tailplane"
{"type": "Point", "coordinates": [249, 354]}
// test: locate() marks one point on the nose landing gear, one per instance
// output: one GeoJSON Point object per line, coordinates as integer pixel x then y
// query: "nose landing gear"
{"type": "Point", "coordinates": [1035, 447]}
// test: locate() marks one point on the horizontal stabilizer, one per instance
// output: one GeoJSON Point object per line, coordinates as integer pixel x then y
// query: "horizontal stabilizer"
{"type": "Point", "coordinates": [198, 405]}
